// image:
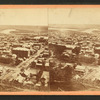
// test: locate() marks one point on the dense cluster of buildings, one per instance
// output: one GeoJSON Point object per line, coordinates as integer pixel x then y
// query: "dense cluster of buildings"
{"type": "Point", "coordinates": [80, 51]}
{"type": "Point", "coordinates": [24, 61]}
{"type": "Point", "coordinates": [42, 62]}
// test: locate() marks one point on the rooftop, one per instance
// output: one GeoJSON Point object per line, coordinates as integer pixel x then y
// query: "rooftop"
{"type": "Point", "coordinates": [21, 49]}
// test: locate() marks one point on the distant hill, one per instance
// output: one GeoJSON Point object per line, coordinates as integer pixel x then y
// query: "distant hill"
{"type": "Point", "coordinates": [70, 29]}
{"type": "Point", "coordinates": [75, 26]}
{"type": "Point", "coordinates": [22, 29]}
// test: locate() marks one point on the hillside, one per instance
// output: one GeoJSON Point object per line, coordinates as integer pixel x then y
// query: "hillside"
{"type": "Point", "coordinates": [4, 29]}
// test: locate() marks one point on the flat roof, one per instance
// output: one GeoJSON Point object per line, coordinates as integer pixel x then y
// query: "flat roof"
{"type": "Point", "coordinates": [21, 49]}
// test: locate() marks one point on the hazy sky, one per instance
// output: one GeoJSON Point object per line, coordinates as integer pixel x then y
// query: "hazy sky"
{"type": "Point", "coordinates": [33, 16]}
{"type": "Point", "coordinates": [74, 16]}
{"type": "Point", "coordinates": [42, 16]}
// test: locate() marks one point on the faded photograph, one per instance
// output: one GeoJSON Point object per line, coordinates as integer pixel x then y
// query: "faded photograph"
{"type": "Point", "coordinates": [74, 44]}
{"type": "Point", "coordinates": [49, 49]}
{"type": "Point", "coordinates": [24, 52]}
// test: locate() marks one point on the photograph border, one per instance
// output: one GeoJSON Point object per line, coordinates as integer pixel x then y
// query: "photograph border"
{"type": "Point", "coordinates": [50, 92]}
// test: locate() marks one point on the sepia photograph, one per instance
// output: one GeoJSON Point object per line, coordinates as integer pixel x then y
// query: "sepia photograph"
{"type": "Point", "coordinates": [24, 52]}
{"type": "Point", "coordinates": [74, 43]}
{"type": "Point", "coordinates": [49, 50]}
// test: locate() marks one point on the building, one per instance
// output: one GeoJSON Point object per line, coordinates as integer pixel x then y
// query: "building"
{"type": "Point", "coordinates": [21, 52]}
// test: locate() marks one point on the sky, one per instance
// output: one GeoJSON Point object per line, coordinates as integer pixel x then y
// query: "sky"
{"type": "Point", "coordinates": [29, 16]}
{"type": "Point", "coordinates": [44, 16]}
{"type": "Point", "coordinates": [74, 16]}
